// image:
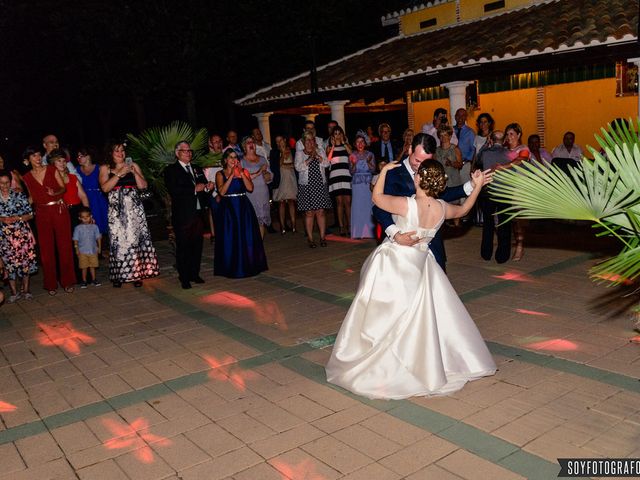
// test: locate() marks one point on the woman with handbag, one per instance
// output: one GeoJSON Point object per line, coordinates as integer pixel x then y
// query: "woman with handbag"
{"type": "Point", "coordinates": [260, 173]}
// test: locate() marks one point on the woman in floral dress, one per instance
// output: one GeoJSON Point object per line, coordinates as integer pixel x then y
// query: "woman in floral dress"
{"type": "Point", "coordinates": [17, 245]}
{"type": "Point", "coordinates": [132, 257]}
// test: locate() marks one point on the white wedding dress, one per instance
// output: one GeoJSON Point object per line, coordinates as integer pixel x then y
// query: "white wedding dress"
{"type": "Point", "coordinates": [407, 333]}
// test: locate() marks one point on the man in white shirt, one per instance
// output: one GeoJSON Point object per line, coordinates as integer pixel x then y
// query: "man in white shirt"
{"type": "Point", "coordinates": [568, 149]}
{"type": "Point", "coordinates": [310, 126]}
{"type": "Point", "coordinates": [439, 117]}
{"type": "Point", "coordinates": [50, 143]}
{"type": "Point", "coordinates": [263, 149]}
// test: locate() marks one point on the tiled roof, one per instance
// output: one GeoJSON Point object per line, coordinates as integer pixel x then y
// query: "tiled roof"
{"type": "Point", "coordinates": [393, 17]}
{"type": "Point", "coordinates": [558, 26]}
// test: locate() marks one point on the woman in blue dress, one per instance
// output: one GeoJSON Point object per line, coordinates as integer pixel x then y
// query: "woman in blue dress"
{"type": "Point", "coordinates": [239, 251]}
{"type": "Point", "coordinates": [363, 167]}
{"type": "Point", "coordinates": [89, 174]}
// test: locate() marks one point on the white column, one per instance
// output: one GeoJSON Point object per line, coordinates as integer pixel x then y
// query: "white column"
{"type": "Point", "coordinates": [337, 111]}
{"type": "Point", "coordinates": [457, 96]}
{"type": "Point", "coordinates": [636, 62]}
{"type": "Point", "coordinates": [263, 125]}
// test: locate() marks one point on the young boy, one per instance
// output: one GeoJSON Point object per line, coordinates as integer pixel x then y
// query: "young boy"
{"type": "Point", "coordinates": [87, 241]}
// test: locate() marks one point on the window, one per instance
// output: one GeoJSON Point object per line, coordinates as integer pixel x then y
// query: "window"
{"type": "Point", "coordinates": [490, 7]}
{"type": "Point", "coordinates": [429, 23]}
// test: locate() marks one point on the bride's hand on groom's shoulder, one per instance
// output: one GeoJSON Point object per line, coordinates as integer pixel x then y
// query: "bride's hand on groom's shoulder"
{"type": "Point", "coordinates": [391, 166]}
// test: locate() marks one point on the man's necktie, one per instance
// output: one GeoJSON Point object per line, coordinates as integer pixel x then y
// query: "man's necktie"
{"type": "Point", "coordinates": [190, 171]}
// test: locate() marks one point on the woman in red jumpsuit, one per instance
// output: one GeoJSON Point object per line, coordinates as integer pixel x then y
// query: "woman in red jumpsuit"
{"type": "Point", "coordinates": [52, 221]}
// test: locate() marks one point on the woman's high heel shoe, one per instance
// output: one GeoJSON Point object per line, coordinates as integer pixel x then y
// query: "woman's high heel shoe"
{"type": "Point", "coordinates": [311, 243]}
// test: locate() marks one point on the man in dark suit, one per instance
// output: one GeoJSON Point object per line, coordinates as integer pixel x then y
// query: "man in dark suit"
{"type": "Point", "coordinates": [189, 193]}
{"type": "Point", "coordinates": [384, 150]}
{"type": "Point", "coordinates": [399, 182]}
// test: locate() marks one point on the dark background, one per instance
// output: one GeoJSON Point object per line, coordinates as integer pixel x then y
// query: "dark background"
{"type": "Point", "coordinates": [92, 70]}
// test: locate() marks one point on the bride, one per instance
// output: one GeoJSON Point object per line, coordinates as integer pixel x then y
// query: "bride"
{"type": "Point", "coordinates": [407, 333]}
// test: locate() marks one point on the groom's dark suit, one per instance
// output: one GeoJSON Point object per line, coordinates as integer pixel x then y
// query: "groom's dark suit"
{"type": "Point", "coordinates": [399, 182]}
{"type": "Point", "coordinates": [186, 218]}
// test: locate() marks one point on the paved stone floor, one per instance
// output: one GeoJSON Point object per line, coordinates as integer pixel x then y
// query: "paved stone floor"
{"type": "Point", "coordinates": [226, 381]}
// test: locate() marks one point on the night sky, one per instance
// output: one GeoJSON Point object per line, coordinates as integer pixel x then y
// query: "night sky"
{"type": "Point", "coordinates": [92, 70]}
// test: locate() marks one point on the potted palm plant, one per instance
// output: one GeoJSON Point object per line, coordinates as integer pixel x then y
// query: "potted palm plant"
{"type": "Point", "coordinates": [604, 191]}
{"type": "Point", "coordinates": [153, 150]}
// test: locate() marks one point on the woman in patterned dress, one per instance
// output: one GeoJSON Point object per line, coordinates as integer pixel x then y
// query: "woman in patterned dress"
{"type": "Point", "coordinates": [338, 151]}
{"type": "Point", "coordinates": [132, 257]}
{"type": "Point", "coordinates": [313, 195]}
{"type": "Point", "coordinates": [258, 168]}
{"type": "Point", "coordinates": [17, 245]}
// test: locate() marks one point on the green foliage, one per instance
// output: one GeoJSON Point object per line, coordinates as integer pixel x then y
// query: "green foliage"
{"type": "Point", "coordinates": [154, 149]}
{"type": "Point", "coordinates": [605, 191]}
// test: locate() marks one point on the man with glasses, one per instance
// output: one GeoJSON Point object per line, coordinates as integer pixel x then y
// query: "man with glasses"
{"type": "Point", "coordinates": [189, 192]}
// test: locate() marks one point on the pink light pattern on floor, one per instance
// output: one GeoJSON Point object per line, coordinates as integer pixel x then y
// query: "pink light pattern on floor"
{"type": "Point", "coordinates": [227, 370]}
{"type": "Point", "coordinates": [305, 470]}
{"type": "Point", "coordinates": [266, 313]}
{"type": "Point", "coordinates": [514, 276]}
{"type": "Point", "coordinates": [6, 407]}
{"type": "Point", "coordinates": [554, 345]}
{"type": "Point", "coordinates": [136, 435]}
{"type": "Point", "coordinates": [63, 335]}
{"type": "Point", "coordinates": [532, 312]}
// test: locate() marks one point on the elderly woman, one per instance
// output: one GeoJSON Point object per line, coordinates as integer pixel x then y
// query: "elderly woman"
{"type": "Point", "coordinates": [258, 168]}
{"type": "Point", "coordinates": [89, 174]}
{"type": "Point", "coordinates": [239, 251]}
{"type": "Point", "coordinates": [46, 187]}
{"type": "Point", "coordinates": [313, 195]}
{"type": "Point", "coordinates": [132, 257]}
{"type": "Point", "coordinates": [17, 245]}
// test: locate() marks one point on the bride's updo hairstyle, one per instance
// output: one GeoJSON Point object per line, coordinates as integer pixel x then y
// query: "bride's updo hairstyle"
{"type": "Point", "coordinates": [433, 180]}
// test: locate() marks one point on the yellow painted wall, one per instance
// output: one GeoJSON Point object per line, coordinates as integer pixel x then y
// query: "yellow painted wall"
{"type": "Point", "coordinates": [445, 14]}
{"type": "Point", "coordinates": [505, 107]}
{"type": "Point", "coordinates": [423, 111]}
{"type": "Point", "coordinates": [584, 108]}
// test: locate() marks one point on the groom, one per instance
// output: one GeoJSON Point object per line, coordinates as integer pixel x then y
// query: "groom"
{"type": "Point", "coordinates": [399, 182]}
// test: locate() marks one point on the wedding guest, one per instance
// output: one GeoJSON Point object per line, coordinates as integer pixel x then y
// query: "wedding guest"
{"type": "Point", "coordinates": [407, 138]}
{"type": "Point", "coordinates": [239, 251]}
{"type": "Point", "coordinates": [338, 151]}
{"type": "Point", "coordinates": [87, 242]}
{"type": "Point", "coordinates": [536, 152]}
{"type": "Point", "coordinates": [313, 194]}
{"type": "Point", "coordinates": [517, 153]}
{"type": "Point", "coordinates": [568, 148]}
{"type": "Point", "coordinates": [74, 196]}
{"type": "Point", "coordinates": [89, 173]}
{"type": "Point", "coordinates": [211, 164]}
{"type": "Point", "coordinates": [132, 257]}
{"type": "Point", "coordinates": [17, 244]}
{"type": "Point", "coordinates": [46, 187]}
{"type": "Point", "coordinates": [484, 126]}
{"type": "Point", "coordinates": [363, 166]}
{"type": "Point", "coordinates": [260, 173]}
{"type": "Point", "coordinates": [287, 190]}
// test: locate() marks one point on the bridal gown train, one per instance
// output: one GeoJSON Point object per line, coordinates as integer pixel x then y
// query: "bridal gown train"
{"type": "Point", "coordinates": [407, 333]}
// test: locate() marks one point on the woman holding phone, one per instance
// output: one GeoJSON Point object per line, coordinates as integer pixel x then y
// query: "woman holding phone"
{"type": "Point", "coordinates": [239, 251]}
{"type": "Point", "coordinates": [132, 257]}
